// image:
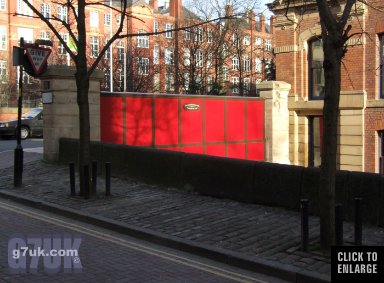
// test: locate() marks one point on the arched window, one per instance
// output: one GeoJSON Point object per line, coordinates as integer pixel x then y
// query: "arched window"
{"type": "Point", "coordinates": [316, 71]}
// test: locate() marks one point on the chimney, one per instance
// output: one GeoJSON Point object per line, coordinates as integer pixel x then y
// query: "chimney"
{"type": "Point", "coordinates": [262, 22]}
{"type": "Point", "coordinates": [175, 8]}
{"type": "Point", "coordinates": [228, 11]}
{"type": "Point", "coordinates": [271, 25]}
{"type": "Point", "coordinates": [251, 20]}
{"type": "Point", "coordinates": [154, 5]}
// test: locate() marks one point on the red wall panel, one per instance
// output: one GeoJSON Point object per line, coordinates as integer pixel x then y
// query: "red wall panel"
{"type": "Point", "coordinates": [216, 150]}
{"type": "Point", "coordinates": [191, 122]}
{"type": "Point", "coordinates": [256, 151]}
{"type": "Point", "coordinates": [166, 121]}
{"type": "Point", "coordinates": [214, 120]}
{"type": "Point", "coordinates": [236, 150]}
{"type": "Point", "coordinates": [235, 120]}
{"type": "Point", "coordinates": [139, 121]}
{"type": "Point", "coordinates": [111, 119]}
{"type": "Point", "coordinates": [193, 149]}
{"type": "Point", "coordinates": [255, 118]}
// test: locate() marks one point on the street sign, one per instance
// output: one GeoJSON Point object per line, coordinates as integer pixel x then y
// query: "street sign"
{"type": "Point", "coordinates": [38, 57]}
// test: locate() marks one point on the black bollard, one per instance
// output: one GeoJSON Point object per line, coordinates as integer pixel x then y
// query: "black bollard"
{"type": "Point", "coordinates": [86, 181]}
{"type": "Point", "coordinates": [358, 222]}
{"type": "Point", "coordinates": [94, 176]}
{"type": "Point", "coordinates": [304, 225]}
{"type": "Point", "coordinates": [72, 178]}
{"type": "Point", "coordinates": [107, 178]}
{"type": "Point", "coordinates": [339, 224]}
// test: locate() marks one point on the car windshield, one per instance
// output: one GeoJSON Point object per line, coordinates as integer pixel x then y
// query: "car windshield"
{"type": "Point", "coordinates": [32, 114]}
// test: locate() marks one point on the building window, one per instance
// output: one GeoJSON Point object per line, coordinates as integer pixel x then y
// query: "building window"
{"type": "Point", "coordinates": [268, 45]}
{"type": "Point", "coordinates": [46, 10]}
{"type": "Point", "coordinates": [120, 51]}
{"type": "Point", "coordinates": [209, 83]}
{"type": "Point", "coordinates": [247, 40]}
{"type": "Point", "coordinates": [186, 81]}
{"type": "Point", "coordinates": [23, 8]}
{"type": "Point", "coordinates": [235, 39]}
{"type": "Point", "coordinates": [235, 85]}
{"type": "Point", "coordinates": [94, 42]}
{"type": "Point", "coordinates": [246, 64]}
{"type": "Point", "coordinates": [381, 66]}
{"type": "Point", "coordinates": [46, 35]}
{"type": "Point", "coordinates": [169, 82]}
{"type": "Point", "coordinates": [94, 19]}
{"type": "Point", "coordinates": [198, 34]}
{"type": "Point", "coordinates": [316, 71]}
{"type": "Point", "coordinates": [62, 13]}
{"type": "Point", "coordinates": [26, 33]}
{"type": "Point", "coordinates": [381, 151]}
{"type": "Point", "coordinates": [62, 50]}
{"type": "Point", "coordinates": [143, 66]}
{"type": "Point", "coordinates": [156, 83]}
{"type": "Point", "coordinates": [209, 60]}
{"type": "Point", "coordinates": [187, 57]}
{"type": "Point", "coordinates": [120, 79]}
{"type": "Point", "coordinates": [107, 19]}
{"type": "Point", "coordinates": [225, 73]}
{"type": "Point", "coordinates": [187, 34]}
{"type": "Point", "coordinates": [118, 19]}
{"type": "Point", "coordinates": [258, 65]}
{"type": "Point", "coordinates": [247, 85]}
{"type": "Point", "coordinates": [209, 36]}
{"type": "Point", "coordinates": [3, 38]}
{"type": "Point", "coordinates": [235, 63]}
{"type": "Point", "coordinates": [168, 56]}
{"type": "Point", "coordinates": [155, 27]}
{"type": "Point", "coordinates": [142, 40]}
{"type": "Point", "coordinates": [107, 52]}
{"type": "Point", "coordinates": [258, 41]}
{"type": "Point", "coordinates": [198, 58]}
{"type": "Point", "coordinates": [3, 5]}
{"type": "Point", "coordinates": [3, 72]}
{"type": "Point", "coordinates": [156, 55]}
{"type": "Point", "coordinates": [315, 130]}
{"type": "Point", "coordinates": [168, 29]}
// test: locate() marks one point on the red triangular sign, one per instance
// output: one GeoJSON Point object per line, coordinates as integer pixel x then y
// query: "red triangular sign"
{"type": "Point", "coordinates": [38, 57]}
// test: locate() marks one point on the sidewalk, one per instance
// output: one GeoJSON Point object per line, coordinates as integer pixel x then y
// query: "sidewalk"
{"type": "Point", "coordinates": [261, 238]}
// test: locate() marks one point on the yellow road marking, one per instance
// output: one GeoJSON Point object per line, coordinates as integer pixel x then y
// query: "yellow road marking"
{"type": "Point", "coordinates": [134, 246]}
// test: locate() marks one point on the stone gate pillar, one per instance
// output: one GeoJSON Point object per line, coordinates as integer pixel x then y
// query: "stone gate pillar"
{"type": "Point", "coordinates": [276, 120]}
{"type": "Point", "coordinates": [61, 112]}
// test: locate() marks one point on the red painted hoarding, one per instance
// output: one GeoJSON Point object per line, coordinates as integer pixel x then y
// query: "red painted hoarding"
{"type": "Point", "coordinates": [214, 125]}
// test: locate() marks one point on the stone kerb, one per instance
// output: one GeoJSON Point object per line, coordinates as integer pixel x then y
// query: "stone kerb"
{"type": "Point", "coordinates": [275, 94]}
{"type": "Point", "coordinates": [61, 114]}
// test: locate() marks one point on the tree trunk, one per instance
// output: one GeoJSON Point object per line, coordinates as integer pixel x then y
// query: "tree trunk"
{"type": "Point", "coordinates": [332, 68]}
{"type": "Point", "coordinates": [82, 83]}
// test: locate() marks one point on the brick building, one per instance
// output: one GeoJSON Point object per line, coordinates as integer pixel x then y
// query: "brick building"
{"type": "Point", "coordinates": [190, 60]}
{"type": "Point", "coordinates": [299, 57]}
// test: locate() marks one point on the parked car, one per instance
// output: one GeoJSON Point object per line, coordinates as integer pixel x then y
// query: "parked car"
{"type": "Point", "coordinates": [31, 125]}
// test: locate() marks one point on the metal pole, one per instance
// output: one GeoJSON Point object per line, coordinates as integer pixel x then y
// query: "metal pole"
{"type": "Point", "coordinates": [304, 225]}
{"type": "Point", "coordinates": [108, 178]}
{"type": "Point", "coordinates": [110, 50]}
{"type": "Point", "coordinates": [339, 224]}
{"type": "Point", "coordinates": [94, 176]}
{"type": "Point", "coordinates": [86, 181]}
{"type": "Point", "coordinates": [358, 223]}
{"type": "Point", "coordinates": [19, 154]}
{"type": "Point", "coordinates": [72, 178]}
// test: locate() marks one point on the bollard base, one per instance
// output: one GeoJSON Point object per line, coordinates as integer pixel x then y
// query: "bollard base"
{"type": "Point", "coordinates": [18, 166]}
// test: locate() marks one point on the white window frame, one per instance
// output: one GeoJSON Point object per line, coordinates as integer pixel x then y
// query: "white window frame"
{"type": "Point", "coordinates": [3, 5]}
{"type": "Point", "coordinates": [168, 29]}
{"type": "Point", "coordinates": [198, 34]}
{"type": "Point", "coordinates": [143, 66]}
{"type": "Point", "coordinates": [268, 45]}
{"type": "Point", "coordinates": [107, 19]}
{"type": "Point", "coordinates": [235, 63]}
{"type": "Point", "coordinates": [120, 50]}
{"type": "Point", "coordinates": [209, 36]}
{"type": "Point", "coordinates": [94, 46]}
{"type": "Point", "coordinates": [45, 10]}
{"type": "Point", "coordinates": [23, 8]}
{"type": "Point", "coordinates": [3, 71]}
{"type": "Point", "coordinates": [235, 84]}
{"type": "Point", "coordinates": [62, 13]}
{"type": "Point", "coordinates": [258, 65]}
{"type": "Point", "coordinates": [3, 37]}
{"type": "Point", "coordinates": [93, 19]}
{"type": "Point", "coordinates": [156, 55]}
{"type": "Point", "coordinates": [168, 56]}
{"type": "Point", "coordinates": [61, 50]}
{"type": "Point", "coordinates": [258, 41]}
{"type": "Point", "coordinates": [142, 40]}
{"type": "Point", "coordinates": [155, 27]}
{"type": "Point", "coordinates": [225, 73]}
{"type": "Point", "coordinates": [187, 57]}
{"type": "Point", "coordinates": [246, 64]}
{"type": "Point", "coordinates": [169, 82]}
{"type": "Point", "coordinates": [199, 62]}
{"type": "Point", "coordinates": [247, 40]}
{"type": "Point", "coordinates": [247, 85]}
{"type": "Point", "coordinates": [187, 34]}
